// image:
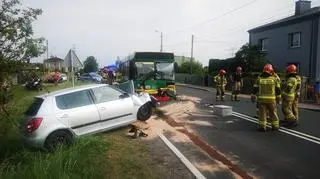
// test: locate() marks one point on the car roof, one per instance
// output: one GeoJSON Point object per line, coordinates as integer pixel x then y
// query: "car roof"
{"type": "Point", "coordinates": [70, 90]}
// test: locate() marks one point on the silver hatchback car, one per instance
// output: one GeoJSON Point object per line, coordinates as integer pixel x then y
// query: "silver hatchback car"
{"type": "Point", "coordinates": [56, 118]}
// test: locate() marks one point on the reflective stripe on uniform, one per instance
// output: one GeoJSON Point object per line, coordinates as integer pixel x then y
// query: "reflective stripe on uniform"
{"type": "Point", "coordinates": [266, 97]}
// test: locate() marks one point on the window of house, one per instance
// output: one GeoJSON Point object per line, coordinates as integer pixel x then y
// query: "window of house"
{"type": "Point", "coordinates": [295, 39]}
{"type": "Point", "coordinates": [263, 43]}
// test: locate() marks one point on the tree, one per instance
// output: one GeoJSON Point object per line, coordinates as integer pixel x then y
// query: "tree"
{"type": "Point", "coordinates": [16, 33]}
{"type": "Point", "coordinates": [90, 65]}
{"type": "Point", "coordinates": [196, 67]}
{"type": "Point", "coordinates": [17, 44]}
{"type": "Point", "coordinates": [251, 58]}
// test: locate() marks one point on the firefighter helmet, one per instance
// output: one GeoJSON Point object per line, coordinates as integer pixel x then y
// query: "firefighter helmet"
{"type": "Point", "coordinates": [222, 72]}
{"type": "Point", "coordinates": [291, 69]}
{"type": "Point", "coordinates": [268, 69]}
{"type": "Point", "coordinates": [239, 69]}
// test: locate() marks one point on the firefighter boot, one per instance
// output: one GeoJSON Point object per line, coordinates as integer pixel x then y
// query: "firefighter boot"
{"type": "Point", "coordinates": [261, 129]}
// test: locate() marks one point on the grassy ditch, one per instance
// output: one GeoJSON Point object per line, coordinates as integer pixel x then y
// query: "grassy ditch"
{"type": "Point", "coordinates": [110, 155]}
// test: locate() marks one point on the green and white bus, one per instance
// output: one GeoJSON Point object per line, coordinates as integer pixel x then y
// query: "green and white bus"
{"type": "Point", "coordinates": [152, 72]}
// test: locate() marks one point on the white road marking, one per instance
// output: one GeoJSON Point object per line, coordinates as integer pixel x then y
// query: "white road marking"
{"type": "Point", "coordinates": [301, 135]}
{"type": "Point", "coordinates": [183, 159]}
{"type": "Point", "coordinates": [202, 115]}
{"type": "Point", "coordinates": [290, 130]}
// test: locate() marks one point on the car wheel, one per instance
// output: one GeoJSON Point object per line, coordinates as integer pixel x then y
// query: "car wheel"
{"type": "Point", "coordinates": [144, 112]}
{"type": "Point", "coordinates": [58, 138]}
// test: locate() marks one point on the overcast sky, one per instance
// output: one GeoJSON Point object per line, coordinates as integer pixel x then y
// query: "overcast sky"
{"type": "Point", "coordinates": [110, 28]}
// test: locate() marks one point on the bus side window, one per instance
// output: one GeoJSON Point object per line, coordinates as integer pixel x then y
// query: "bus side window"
{"type": "Point", "coordinates": [132, 70]}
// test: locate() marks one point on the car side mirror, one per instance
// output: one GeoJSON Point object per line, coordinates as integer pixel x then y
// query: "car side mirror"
{"type": "Point", "coordinates": [124, 95]}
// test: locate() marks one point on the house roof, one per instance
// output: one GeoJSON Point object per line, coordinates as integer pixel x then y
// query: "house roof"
{"type": "Point", "coordinates": [289, 20]}
{"type": "Point", "coordinates": [53, 59]}
{"type": "Point", "coordinates": [72, 57]}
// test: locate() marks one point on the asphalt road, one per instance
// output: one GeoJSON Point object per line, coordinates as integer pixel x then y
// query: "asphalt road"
{"type": "Point", "coordinates": [266, 155]}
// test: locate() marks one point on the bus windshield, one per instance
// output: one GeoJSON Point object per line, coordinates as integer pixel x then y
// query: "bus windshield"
{"type": "Point", "coordinates": [167, 70]}
{"type": "Point", "coordinates": [144, 68]}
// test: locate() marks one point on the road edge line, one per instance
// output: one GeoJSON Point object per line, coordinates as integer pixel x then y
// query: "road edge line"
{"type": "Point", "coordinates": [284, 131]}
{"type": "Point", "coordinates": [284, 128]}
{"type": "Point", "coordinates": [182, 158]}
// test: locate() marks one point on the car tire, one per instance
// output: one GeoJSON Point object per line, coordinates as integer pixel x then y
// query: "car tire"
{"type": "Point", "coordinates": [58, 138]}
{"type": "Point", "coordinates": [144, 112]}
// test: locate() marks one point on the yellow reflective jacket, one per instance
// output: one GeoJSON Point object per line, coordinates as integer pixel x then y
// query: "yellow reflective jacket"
{"type": "Point", "coordinates": [277, 77]}
{"type": "Point", "coordinates": [267, 89]}
{"type": "Point", "coordinates": [298, 89]}
{"type": "Point", "coordinates": [290, 87]}
{"type": "Point", "coordinates": [220, 80]}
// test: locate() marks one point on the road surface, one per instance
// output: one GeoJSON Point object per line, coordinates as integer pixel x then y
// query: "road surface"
{"type": "Point", "coordinates": [283, 154]}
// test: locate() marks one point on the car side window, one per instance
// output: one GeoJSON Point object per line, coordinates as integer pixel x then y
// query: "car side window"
{"type": "Point", "coordinates": [74, 100]}
{"type": "Point", "coordinates": [105, 94]}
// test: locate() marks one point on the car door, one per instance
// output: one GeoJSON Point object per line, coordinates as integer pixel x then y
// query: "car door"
{"type": "Point", "coordinates": [115, 108]}
{"type": "Point", "coordinates": [78, 111]}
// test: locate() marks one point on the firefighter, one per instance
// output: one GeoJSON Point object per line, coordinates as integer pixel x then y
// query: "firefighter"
{"type": "Point", "coordinates": [221, 82]}
{"type": "Point", "coordinates": [295, 108]}
{"type": "Point", "coordinates": [268, 93]}
{"type": "Point", "coordinates": [275, 75]}
{"type": "Point", "coordinates": [237, 81]}
{"type": "Point", "coordinates": [289, 96]}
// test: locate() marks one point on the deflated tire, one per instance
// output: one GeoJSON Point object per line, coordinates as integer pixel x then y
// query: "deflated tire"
{"type": "Point", "coordinates": [144, 112]}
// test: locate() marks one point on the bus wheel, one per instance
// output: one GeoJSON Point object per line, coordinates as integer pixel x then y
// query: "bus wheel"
{"type": "Point", "coordinates": [144, 112]}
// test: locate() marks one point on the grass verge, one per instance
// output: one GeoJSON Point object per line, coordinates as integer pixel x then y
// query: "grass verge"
{"type": "Point", "coordinates": [112, 155]}
{"type": "Point", "coordinates": [78, 161]}
{"type": "Point", "coordinates": [129, 158]}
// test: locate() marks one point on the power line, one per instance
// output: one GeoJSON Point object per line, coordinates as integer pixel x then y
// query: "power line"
{"type": "Point", "coordinates": [233, 30]}
{"type": "Point", "coordinates": [210, 39]}
{"type": "Point", "coordinates": [284, 10]}
{"type": "Point", "coordinates": [237, 29]}
{"type": "Point", "coordinates": [217, 17]}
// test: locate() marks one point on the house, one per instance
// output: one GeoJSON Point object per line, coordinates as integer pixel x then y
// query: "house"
{"type": "Point", "coordinates": [292, 40]}
{"type": "Point", "coordinates": [54, 63]}
{"type": "Point", "coordinates": [71, 60]}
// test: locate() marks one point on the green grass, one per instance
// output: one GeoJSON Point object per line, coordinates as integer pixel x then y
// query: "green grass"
{"type": "Point", "coordinates": [111, 155]}
{"type": "Point", "coordinates": [128, 159]}
{"type": "Point", "coordinates": [78, 161]}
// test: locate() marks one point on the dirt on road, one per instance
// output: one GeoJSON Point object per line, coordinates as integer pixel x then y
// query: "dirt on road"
{"type": "Point", "coordinates": [176, 124]}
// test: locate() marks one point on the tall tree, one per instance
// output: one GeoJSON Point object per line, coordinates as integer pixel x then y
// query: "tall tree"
{"type": "Point", "coordinates": [196, 67]}
{"type": "Point", "coordinates": [16, 33]}
{"type": "Point", "coordinates": [17, 44]}
{"type": "Point", "coordinates": [90, 65]}
{"type": "Point", "coordinates": [251, 58]}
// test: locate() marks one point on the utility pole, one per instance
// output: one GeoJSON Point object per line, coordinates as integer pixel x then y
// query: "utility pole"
{"type": "Point", "coordinates": [161, 47]}
{"type": "Point", "coordinates": [72, 72]}
{"type": "Point", "coordinates": [71, 59]}
{"type": "Point", "coordinates": [47, 49]}
{"type": "Point", "coordinates": [192, 37]}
